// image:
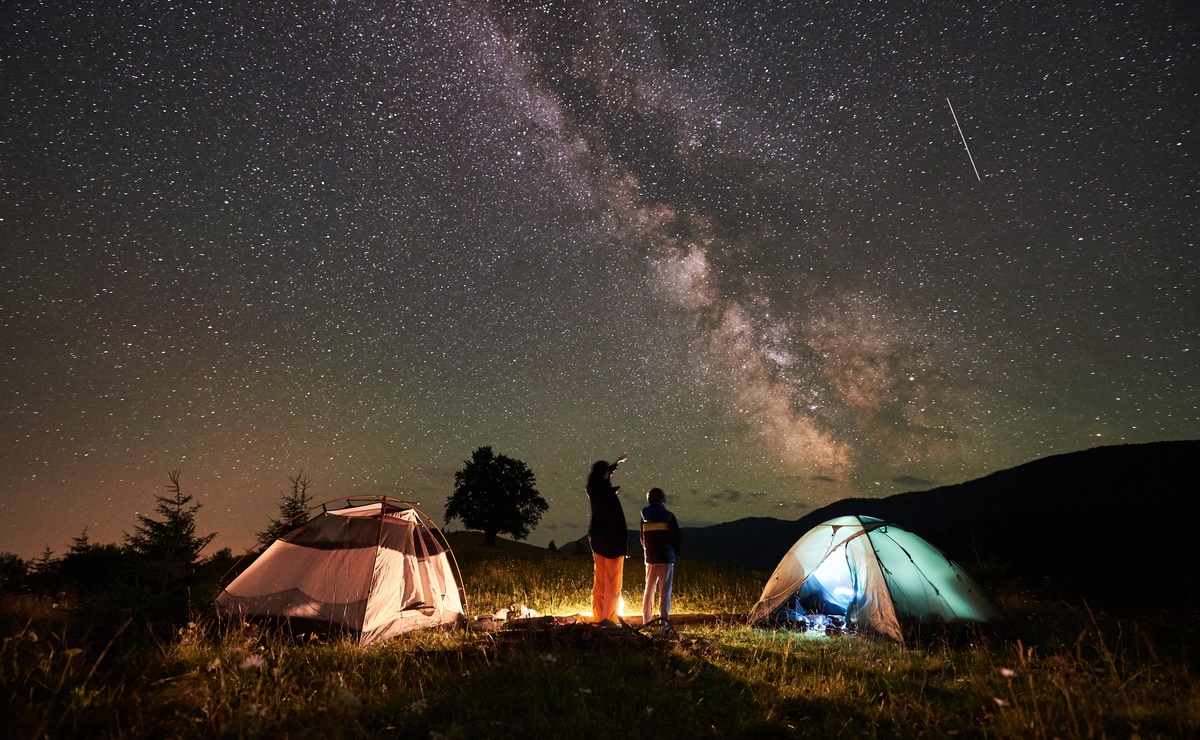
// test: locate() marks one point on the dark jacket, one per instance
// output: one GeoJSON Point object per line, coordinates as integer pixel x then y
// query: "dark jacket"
{"type": "Point", "coordinates": [607, 532]}
{"type": "Point", "coordinates": [660, 535]}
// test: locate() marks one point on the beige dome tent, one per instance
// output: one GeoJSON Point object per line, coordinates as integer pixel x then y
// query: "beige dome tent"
{"type": "Point", "coordinates": [373, 571]}
{"type": "Point", "coordinates": [878, 577]}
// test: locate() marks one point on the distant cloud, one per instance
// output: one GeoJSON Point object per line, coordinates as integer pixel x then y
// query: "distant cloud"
{"type": "Point", "coordinates": [823, 479]}
{"type": "Point", "coordinates": [726, 496]}
{"type": "Point", "coordinates": [794, 506]}
{"type": "Point", "coordinates": [910, 480]}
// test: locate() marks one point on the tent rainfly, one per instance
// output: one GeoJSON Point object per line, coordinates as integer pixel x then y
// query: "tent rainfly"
{"type": "Point", "coordinates": [373, 571]}
{"type": "Point", "coordinates": [882, 578]}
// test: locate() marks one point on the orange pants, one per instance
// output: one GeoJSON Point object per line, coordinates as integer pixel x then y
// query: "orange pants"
{"type": "Point", "coordinates": [606, 588]}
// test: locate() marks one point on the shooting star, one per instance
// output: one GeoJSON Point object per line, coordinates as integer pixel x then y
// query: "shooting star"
{"type": "Point", "coordinates": [964, 138]}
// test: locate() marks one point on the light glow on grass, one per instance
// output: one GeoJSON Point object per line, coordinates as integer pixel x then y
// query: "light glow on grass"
{"type": "Point", "coordinates": [1069, 673]}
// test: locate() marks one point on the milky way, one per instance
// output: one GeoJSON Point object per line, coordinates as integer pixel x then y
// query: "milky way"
{"type": "Point", "coordinates": [746, 244]}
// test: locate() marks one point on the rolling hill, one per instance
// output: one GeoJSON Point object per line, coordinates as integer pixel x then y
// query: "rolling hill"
{"type": "Point", "coordinates": [1111, 524]}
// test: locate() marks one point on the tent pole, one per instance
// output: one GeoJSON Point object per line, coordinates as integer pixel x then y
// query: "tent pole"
{"type": "Point", "coordinates": [462, 587]}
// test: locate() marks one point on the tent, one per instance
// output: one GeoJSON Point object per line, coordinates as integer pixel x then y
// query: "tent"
{"type": "Point", "coordinates": [876, 576]}
{"type": "Point", "coordinates": [373, 570]}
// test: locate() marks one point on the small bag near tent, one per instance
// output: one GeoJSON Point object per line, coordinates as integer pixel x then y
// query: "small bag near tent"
{"type": "Point", "coordinates": [373, 571]}
{"type": "Point", "coordinates": [874, 577]}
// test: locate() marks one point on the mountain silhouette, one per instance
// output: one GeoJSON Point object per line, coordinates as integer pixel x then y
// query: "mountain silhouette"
{"type": "Point", "coordinates": [1109, 524]}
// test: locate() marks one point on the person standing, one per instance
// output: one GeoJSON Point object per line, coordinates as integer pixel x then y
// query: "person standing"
{"type": "Point", "coordinates": [609, 540]}
{"type": "Point", "coordinates": [661, 539]}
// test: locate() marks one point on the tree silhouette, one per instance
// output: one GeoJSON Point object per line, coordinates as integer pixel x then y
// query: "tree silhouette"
{"type": "Point", "coordinates": [89, 567]}
{"type": "Point", "coordinates": [44, 573]}
{"type": "Point", "coordinates": [14, 572]}
{"type": "Point", "coordinates": [293, 510]}
{"type": "Point", "coordinates": [166, 549]}
{"type": "Point", "coordinates": [495, 494]}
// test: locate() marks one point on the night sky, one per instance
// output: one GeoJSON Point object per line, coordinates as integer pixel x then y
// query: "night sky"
{"type": "Point", "coordinates": [744, 243]}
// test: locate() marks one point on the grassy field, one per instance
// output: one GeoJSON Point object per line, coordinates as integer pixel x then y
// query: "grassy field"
{"type": "Point", "coordinates": [1062, 671]}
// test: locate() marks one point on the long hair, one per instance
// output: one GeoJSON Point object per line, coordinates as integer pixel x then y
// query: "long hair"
{"type": "Point", "coordinates": [600, 469]}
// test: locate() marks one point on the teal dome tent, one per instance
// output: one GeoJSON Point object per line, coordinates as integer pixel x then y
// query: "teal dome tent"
{"type": "Point", "coordinates": [876, 576]}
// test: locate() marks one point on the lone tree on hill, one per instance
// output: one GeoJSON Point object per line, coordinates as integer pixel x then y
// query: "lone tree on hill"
{"type": "Point", "coordinates": [495, 494]}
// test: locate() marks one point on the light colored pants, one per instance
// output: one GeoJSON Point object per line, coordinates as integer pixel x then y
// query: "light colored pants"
{"type": "Point", "coordinates": [658, 577]}
{"type": "Point", "coordinates": [606, 588]}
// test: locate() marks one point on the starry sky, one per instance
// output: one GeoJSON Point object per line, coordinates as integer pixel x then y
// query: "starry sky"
{"type": "Point", "coordinates": [747, 243]}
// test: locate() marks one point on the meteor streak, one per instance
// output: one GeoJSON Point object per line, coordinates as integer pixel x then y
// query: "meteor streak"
{"type": "Point", "coordinates": [964, 138]}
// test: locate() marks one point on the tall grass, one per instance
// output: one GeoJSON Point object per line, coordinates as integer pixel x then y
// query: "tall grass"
{"type": "Point", "coordinates": [1063, 671]}
{"type": "Point", "coordinates": [561, 584]}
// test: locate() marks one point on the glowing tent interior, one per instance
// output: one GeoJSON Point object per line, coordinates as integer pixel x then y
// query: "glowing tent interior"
{"type": "Point", "coordinates": [878, 577]}
{"type": "Point", "coordinates": [374, 570]}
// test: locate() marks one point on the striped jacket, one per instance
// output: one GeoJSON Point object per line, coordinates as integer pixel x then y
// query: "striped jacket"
{"type": "Point", "coordinates": [660, 535]}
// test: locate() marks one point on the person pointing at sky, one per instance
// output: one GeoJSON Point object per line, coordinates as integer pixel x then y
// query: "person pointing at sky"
{"type": "Point", "coordinates": [609, 541]}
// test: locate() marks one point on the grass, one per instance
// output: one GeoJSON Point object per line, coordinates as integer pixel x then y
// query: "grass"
{"type": "Point", "coordinates": [561, 584]}
{"type": "Point", "coordinates": [1063, 671]}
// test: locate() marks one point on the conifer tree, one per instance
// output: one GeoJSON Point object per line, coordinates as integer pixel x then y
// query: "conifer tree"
{"type": "Point", "coordinates": [45, 562]}
{"type": "Point", "coordinates": [14, 573]}
{"type": "Point", "coordinates": [167, 549]}
{"type": "Point", "coordinates": [293, 510]}
{"type": "Point", "coordinates": [91, 567]}
{"type": "Point", "coordinates": [44, 572]}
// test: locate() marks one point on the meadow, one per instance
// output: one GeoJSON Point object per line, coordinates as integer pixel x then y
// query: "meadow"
{"type": "Point", "coordinates": [1062, 669]}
